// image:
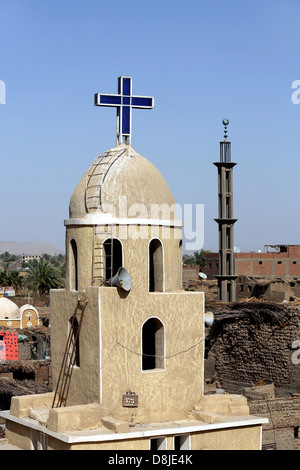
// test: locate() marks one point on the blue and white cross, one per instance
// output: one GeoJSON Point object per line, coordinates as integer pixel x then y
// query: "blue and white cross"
{"type": "Point", "coordinates": [124, 101]}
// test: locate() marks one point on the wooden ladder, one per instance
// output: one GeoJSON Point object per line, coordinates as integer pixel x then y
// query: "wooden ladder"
{"type": "Point", "coordinates": [96, 177]}
{"type": "Point", "coordinates": [102, 262]}
{"type": "Point", "coordinates": [69, 358]}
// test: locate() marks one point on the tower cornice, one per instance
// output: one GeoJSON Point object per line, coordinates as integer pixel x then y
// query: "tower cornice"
{"type": "Point", "coordinates": [226, 220]}
{"type": "Point", "coordinates": [225, 164]}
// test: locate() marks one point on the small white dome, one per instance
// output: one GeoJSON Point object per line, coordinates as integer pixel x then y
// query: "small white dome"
{"type": "Point", "coordinates": [8, 309]}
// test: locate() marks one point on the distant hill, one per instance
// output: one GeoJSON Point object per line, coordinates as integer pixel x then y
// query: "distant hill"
{"type": "Point", "coordinates": [28, 248]}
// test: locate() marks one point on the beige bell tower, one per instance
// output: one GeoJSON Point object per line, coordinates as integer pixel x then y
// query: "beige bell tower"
{"type": "Point", "coordinates": [140, 334]}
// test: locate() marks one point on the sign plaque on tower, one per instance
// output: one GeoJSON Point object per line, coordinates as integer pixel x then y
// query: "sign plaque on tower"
{"type": "Point", "coordinates": [130, 400]}
{"type": "Point", "coordinates": [124, 101]}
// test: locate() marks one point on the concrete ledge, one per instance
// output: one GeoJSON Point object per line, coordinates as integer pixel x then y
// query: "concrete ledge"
{"type": "Point", "coordinates": [238, 410]}
{"type": "Point", "coordinates": [73, 418]}
{"type": "Point", "coordinates": [207, 417]}
{"type": "Point", "coordinates": [5, 445]}
{"type": "Point", "coordinates": [225, 405]}
{"type": "Point", "coordinates": [115, 425]}
{"type": "Point", "coordinates": [20, 406]}
{"type": "Point", "coordinates": [99, 435]}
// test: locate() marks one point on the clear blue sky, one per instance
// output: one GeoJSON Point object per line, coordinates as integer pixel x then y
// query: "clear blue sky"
{"type": "Point", "coordinates": [201, 60]}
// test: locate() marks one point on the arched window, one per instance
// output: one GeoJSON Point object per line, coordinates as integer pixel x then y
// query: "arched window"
{"type": "Point", "coordinates": [156, 267]}
{"type": "Point", "coordinates": [229, 291]}
{"type": "Point", "coordinates": [73, 265]}
{"type": "Point", "coordinates": [113, 257]}
{"type": "Point", "coordinates": [228, 236]}
{"type": "Point", "coordinates": [153, 344]}
{"type": "Point", "coordinates": [228, 263]}
{"type": "Point", "coordinates": [75, 339]}
{"type": "Point", "coordinates": [228, 207]}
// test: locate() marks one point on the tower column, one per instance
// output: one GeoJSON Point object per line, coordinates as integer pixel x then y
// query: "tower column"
{"type": "Point", "coordinates": [227, 272]}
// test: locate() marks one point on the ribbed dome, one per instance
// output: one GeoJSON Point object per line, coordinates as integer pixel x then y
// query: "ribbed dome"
{"type": "Point", "coordinates": [120, 174]}
{"type": "Point", "coordinates": [8, 309]}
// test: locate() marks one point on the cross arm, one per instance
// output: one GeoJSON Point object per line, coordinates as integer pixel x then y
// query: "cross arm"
{"type": "Point", "coordinates": [142, 102]}
{"type": "Point", "coordinates": [103, 99]}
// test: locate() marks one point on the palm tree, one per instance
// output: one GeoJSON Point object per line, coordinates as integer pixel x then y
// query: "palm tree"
{"type": "Point", "coordinates": [43, 277]}
{"type": "Point", "coordinates": [196, 258]}
{"type": "Point", "coordinates": [15, 280]}
{"type": "Point", "coordinates": [59, 261]}
{"type": "Point", "coordinates": [3, 278]}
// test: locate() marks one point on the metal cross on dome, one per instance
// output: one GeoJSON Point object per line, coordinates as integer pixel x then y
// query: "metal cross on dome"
{"type": "Point", "coordinates": [124, 101]}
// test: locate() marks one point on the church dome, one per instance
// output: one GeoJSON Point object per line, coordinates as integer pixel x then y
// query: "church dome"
{"type": "Point", "coordinates": [121, 176]}
{"type": "Point", "coordinates": [8, 309]}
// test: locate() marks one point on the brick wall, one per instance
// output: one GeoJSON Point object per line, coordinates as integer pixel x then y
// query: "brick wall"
{"type": "Point", "coordinates": [248, 343]}
{"type": "Point", "coordinates": [282, 438]}
{"type": "Point", "coordinates": [37, 371]}
{"type": "Point", "coordinates": [284, 421]}
{"type": "Point", "coordinates": [266, 265]}
{"type": "Point", "coordinates": [211, 268]}
{"type": "Point", "coordinates": [297, 443]}
{"type": "Point", "coordinates": [24, 348]}
{"type": "Point", "coordinates": [190, 273]}
{"type": "Point", "coordinates": [283, 264]}
{"type": "Point", "coordinates": [43, 373]}
{"type": "Point", "coordinates": [247, 349]}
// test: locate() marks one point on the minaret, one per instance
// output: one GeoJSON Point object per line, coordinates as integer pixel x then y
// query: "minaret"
{"type": "Point", "coordinates": [227, 273]}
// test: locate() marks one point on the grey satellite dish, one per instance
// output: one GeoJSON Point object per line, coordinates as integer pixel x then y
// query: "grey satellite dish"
{"type": "Point", "coordinates": [236, 249]}
{"type": "Point", "coordinates": [208, 319]}
{"type": "Point", "coordinates": [202, 275]}
{"type": "Point", "coordinates": [122, 279]}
